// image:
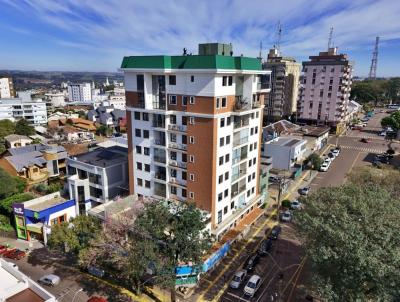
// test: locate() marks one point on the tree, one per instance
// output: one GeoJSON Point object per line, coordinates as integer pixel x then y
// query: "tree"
{"type": "Point", "coordinates": [392, 120]}
{"type": "Point", "coordinates": [394, 89]}
{"type": "Point", "coordinates": [314, 160]}
{"type": "Point", "coordinates": [367, 91]}
{"type": "Point", "coordinates": [22, 127]}
{"type": "Point", "coordinates": [350, 234]}
{"type": "Point", "coordinates": [7, 127]}
{"type": "Point", "coordinates": [103, 130]}
{"type": "Point", "coordinates": [6, 204]}
{"type": "Point", "coordinates": [75, 235]}
{"type": "Point", "coordinates": [161, 235]}
{"type": "Point", "coordinates": [10, 184]}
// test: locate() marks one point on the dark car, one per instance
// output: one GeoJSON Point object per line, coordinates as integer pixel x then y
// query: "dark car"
{"type": "Point", "coordinates": [251, 263]}
{"type": "Point", "coordinates": [383, 158]}
{"type": "Point", "coordinates": [276, 230]}
{"type": "Point", "coordinates": [365, 140]}
{"type": "Point", "coordinates": [265, 247]}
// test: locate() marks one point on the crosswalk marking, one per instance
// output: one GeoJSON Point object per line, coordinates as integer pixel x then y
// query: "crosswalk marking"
{"type": "Point", "coordinates": [363, 149]}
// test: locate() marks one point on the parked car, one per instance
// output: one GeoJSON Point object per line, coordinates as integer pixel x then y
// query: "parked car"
{"type": "Point", "coordinates": [276, 230]}
{"type": "Point", "coordinates": [328, 160]}
{"type": "Point", "coordinates": [331, 156]}
{"type": "Point", "coordinates": [265, 247]}
{"type": "Point", "coordinates": [252, 285]}
{"type": "Point", "coordinates": [273, 179]}
{"type": "Point", "coordinates": [251, 263]}
{"type": "Point", "coordinates": [238, 278]}
{"type": "Point", "coordinates": [324, 167]}
{"type": "Point", "coordinates": [16, 254]}
{"type": "Point", "coordinates": [383, 158]}
{"type": "Point", "coordinates": [97, 299]}
{"type": "Point", "coordinates": [7, 251]}
{"type": "Point", "coordinates": [286, 216]}
{"type": "Point", "coordinates": [295, 204]}
{"type": "Point", "coordinates": [365, 140]}
{"type": "Point", "coordinates": [50, 280]}
{"type": "Point", "coordinates": [382, 133]}
{"type": "Point", "coordinates": [336, 152]}
{"type": "Point", "coordinates": [305, 191]}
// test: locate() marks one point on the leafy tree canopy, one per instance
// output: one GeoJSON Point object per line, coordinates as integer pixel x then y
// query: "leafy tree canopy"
{"type": "Point", "coordinates": [351, 236]}
{"type": "Point", "coordinates": [10, 184]}
{"type": "Point", "coordinates": [7, 127]}
{"type": "Point", "coordinates": [6, 204]}
{"type": "Point", "coordinates": [22, 127]}
{"type": "Point", "coordinates": [392, 120]}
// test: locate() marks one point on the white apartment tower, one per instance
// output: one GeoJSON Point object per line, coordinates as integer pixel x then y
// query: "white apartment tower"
{"type": "Point", "coordinates": [325, 89]}
{"type": "Point", "coordinates": [6, 88]}
{"type": "Point", "coordinates": [80, 92]}
{"type": "Point", "coordinates": [194, 130]}
{"type": "Point", "coordinates": [34, 111]}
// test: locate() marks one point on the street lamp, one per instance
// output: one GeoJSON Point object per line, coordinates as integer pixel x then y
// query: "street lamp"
{"type": "Point", "coordinates": [79, 290]}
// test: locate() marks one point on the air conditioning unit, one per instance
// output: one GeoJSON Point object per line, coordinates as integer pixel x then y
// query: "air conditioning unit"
{"type": "Point", "coordinates": [173, 179]}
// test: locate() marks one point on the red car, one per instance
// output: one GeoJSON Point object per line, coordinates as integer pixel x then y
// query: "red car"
{"type": "Point", "coordinates": [97, 299]}
{"type": "Point", "coordinates": [8, 251]}
{"type": "Point", "coordinates": [16, 254]}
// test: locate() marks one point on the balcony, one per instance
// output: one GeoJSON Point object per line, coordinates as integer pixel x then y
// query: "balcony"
{"type": "Point", "coordinates": [176, 197]}
{"type": "Point", "coordinates": [179, 182]}
{"type": "Point", "coordinates": [178, 164]}
{"type": "Point", "coordinates": [242, 104]}
{"type": "Point", "coordinates": [240, 141]}
{"type": "Point", "coordinates": [160, 159]}
{"type": "Point", "coordinates": [241, 121]}
{"type": "Point", "coordinates": [178, 128]}
{"type": "Point", "coordinates": [242, 172]}
{"type": "Point", "coordinates": [159, 142]}
{"type": "Point", "coordinates": [177, 146]}
{"type": "Point", "coordinates": [238, 188]}
{"type": "Point", "coordinates": [158, 124]}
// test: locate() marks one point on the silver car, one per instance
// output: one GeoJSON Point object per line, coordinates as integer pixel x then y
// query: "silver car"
{"type": "Point", "coordinates": [238, 278]}
{"type": "Point", "coordinates": [50, 280]}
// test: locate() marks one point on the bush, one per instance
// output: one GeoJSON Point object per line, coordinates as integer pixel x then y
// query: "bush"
{"type": "Point", "coordinates": [315, 161]}
{"type": "Point", "coordinates": [286, 203]}
{"type": "Point", "coordinates": [5, 205]}
{"type": "Point", "coordinates": [55, 187]}
{"type": "Point", "coordinates": [41, 188]}
{"type": "Point", "coordinates": [5, 224]}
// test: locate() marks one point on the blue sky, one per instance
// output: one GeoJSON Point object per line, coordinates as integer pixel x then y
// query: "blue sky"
{"type": "Point", "coordinates": [78, 35]}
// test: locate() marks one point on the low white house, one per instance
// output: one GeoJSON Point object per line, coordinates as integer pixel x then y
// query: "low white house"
{"type": "Point", "coordinates": [15, 141]}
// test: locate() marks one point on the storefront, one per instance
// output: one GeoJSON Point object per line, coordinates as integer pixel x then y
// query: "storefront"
{"type": "Point", "coordinates": [34, 218]}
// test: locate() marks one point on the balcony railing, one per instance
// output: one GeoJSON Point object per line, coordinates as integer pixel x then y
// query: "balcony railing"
{"type": "Point", "coordinates": [239, 190]}
{"type": "Point", "coordinates": [177, 146]}
{"type": "Point", "coordinates": [178, 164]}
{"type": "Point", "coordinates": [240, 141]}
{"type": "Point", "coordinates": [239, 175]}
{"type": "Point", "coordinates": [160, 176]}
{"type": "Point", "coordinates": [242, 104]}
{"type": "Point", "coordinates": [158, 124]}
{"type": "Point", "coordinates": [160, 142]}
{"type": "Point", "coordinates": [180, 128]}
{"type": "Point", "coordinates": [160, 159]}
{"type": "Point", "coordinates": [176, 181]}
{"type": "Point", "coordinates": [176, 197]}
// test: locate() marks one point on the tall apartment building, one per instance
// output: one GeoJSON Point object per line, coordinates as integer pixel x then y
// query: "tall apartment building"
{"type": "Point", "coordinates": [34, 111]}
{"type": "Point", "coordinates": [325, 89]}
{"type": "Point", "coordinates": [285, 73]}
{"type": "Point", "coordinates": [194, 130]}
{"type": "Point", "coordinates": [6, 88]}
{"type": "Point", "coordinates": [80, 92]}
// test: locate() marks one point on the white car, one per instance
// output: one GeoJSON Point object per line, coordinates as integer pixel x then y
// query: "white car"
{"type": "Point", "coordinates": [324, 167]}
{"type": "Point", "coordinates": [238, 278]}
{"type": "Point", "coordinates": [328, 160]}
{"type": "Point", "coordinates": [295, 204]}
{"type": "Point", "coordinates": [336, 152]}
{"type": "Point", "coordinates": [286, 216]}
{"type": "Point", "coordinates": [50, 280]}
{"type": "Point", "coordinates": [252, 285]}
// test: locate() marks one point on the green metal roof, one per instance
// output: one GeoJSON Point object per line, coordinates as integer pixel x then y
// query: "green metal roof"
{"type": "Point", "coordinates": [192, 62]}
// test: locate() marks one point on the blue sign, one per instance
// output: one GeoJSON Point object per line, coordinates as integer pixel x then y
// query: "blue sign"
{"type": "Point", "coordinates": [217, 256]}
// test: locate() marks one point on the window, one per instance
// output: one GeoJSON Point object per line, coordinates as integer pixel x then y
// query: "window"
{"type": "Point", "coordinates": [138, 150]}
{"type": "Point", "coordinates": [173, 155]}
{"type": "Point", "coordinates": [220, 179]}
{"type": "Point", "coordinates": [226, 175]}
{"type": "Point", "coordinates": [139, 166]}
{"type": "Point", "coordinates": [333, 69]}
{"type": "Point", "coordinates": [253, 176]}
{"type": "Point", "coordinates": [139, 182]}
{"type": "Point", "coordinates": [184, 139]}
{"type": "Point", "coordinates": [174, 173]}
{"type": "Point", "coordinates": [172, 99]}
{"type": "Point", "coordinates": [191, 195]}
{"type": "Point", "coordinates": [254, 161]}
{"type": "Point", "coordinates": [255, 146]}
{"type": "Point", "coordinates": [184, 100]}
{"type": "Point", "coordinates": [147, 184]}
{"type": "Point", "coordinates": [251, 147]}
{"type": "Point", "coordinates": [228, 120]}
{"type": "Point", "coordinates": [221, 160]}
{"type": "Point", "coordinates": [184, 120]}
{"type": "Point", "coordinates": [191, 176]}
{"type": "Point", "coordinates": [172, 137]}
{"type": "Point", "coordinates": [147, 168]}
{"type": "Point", "coordinates": [183, 192]}
{"type": "Point", "coordinates": [248, 193]}
{"type": "Point", "coordinates": [251, 131]}
{"type": "Point", "coordinates": [191, 139]}
{"type": "Point", "coordinates": [137, 115]}
{"type": "Point", "coordinates": [249, 178]}
{"type": "Point", "coordinates": [329, 95]}
{"type": "Point", "coordinates": [145, 116]}
{"type": "Point", "coordinates": [191, 100]}
{"type": "Point", "coordinates": [223, 103]}
{"type": "Point", "coordinates": [220, 216]}
{"type": "Point", "coordinates": [222, 122]}
{"type": "Point", "coordinates": [227, 158]}
{"type": "Point", "coordinates": [184, 175]}
{"type": "Point", "coordinates": [257, 114]}
{"type": "Point", "coordinates": [172, 79]}
{"type": "Point", "coordinates": [138, 133]}
{"type": "Point", "coordinates": [221, 141]}
{"type": "Point", "coordinates": [192, 78]}
{"type": "Point", "coordinates": [191, 120]}
{"type": "Point", "coordinates": [191, 158]}
{"type": "Point", "coordinates": [228, 139]}
{"type": "Point", "coordinates": [140, 82]}
{"type": "Point", "coordinates": [226, 210]}
{"type": "Point", "coordinates": [321, 93]}
{"type": "Point", "coordinates": [224, 80]}
{"type": "Point", "coordinates": [232, 205]}
{"type": "Point", "coordinates": [226, 193]}
{"type": "Point", "coordinates": [250, 163]}
{"type": "Point", "coordinates": [172, 119]}
{"type": "Point", "coordinates": [217, 104]}
{"type": "Point", "coordinates": [146, 151]}
{"type": "Point", "coordinates": [184, 157]}
{"type": "Point", "coordinates": [252, 190]}
{"type": "Point", "coordinates": [219, 196]}
{"type": "Point", "coordinates": [230, 80]}
{"type": "Point", "coordinates": [256, 130]}
{"type": "Point", "coordinates": [146, 133]}
{"type": "Point", "coordinates": [173, 190]}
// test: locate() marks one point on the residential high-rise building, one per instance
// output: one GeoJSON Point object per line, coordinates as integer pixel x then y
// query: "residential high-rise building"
{"type": "Point", "coordinates": [194, 130]}
{"type": "Point", "coordinates": [285, 73]}
{"type": "Point", "coordinates": [6, 88]}
{"type": "Point", "coordinates": [34, 111]}
{"type": "Point", "coordinates": [80, 92]}
{"type": "Point", "coordinates": [325, 89]}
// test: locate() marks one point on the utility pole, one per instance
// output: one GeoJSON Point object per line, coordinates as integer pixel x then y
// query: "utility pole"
{"type": "Point", "coordinates": [374, 61]}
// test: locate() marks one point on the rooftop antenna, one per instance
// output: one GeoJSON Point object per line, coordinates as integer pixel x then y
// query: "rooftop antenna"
{"type": "Point", "coordinates": [374, 61]}
{"type": "Point", "coordinates": [278, 36]}
{"type": "Point", "coordinates": [260, 54]}
{"type": "Point", "coordinates": [330, 38]}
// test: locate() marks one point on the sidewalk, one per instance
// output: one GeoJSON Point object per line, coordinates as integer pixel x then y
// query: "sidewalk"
{"type": "Point", "coordinates": [21, 244]}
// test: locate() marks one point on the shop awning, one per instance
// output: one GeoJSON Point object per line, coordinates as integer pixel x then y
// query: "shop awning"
{"type": "Point", "coordinates": [35, 227]}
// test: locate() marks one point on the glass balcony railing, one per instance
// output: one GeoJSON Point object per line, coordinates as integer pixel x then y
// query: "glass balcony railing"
{"type": "Point", "coordinates": [240, 141]}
